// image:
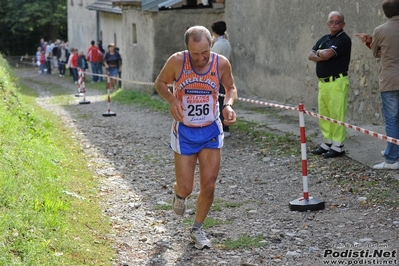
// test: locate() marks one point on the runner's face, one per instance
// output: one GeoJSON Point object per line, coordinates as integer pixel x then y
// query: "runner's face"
{"type": "Point", "coordinates": [200, 52]}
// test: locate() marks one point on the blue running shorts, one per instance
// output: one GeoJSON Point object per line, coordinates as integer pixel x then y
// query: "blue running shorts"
{"type": "Point", "coordinates": [190, 140]}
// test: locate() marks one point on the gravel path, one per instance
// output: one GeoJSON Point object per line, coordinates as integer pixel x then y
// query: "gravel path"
{"type": "Point", "coordinates": [130, 157]}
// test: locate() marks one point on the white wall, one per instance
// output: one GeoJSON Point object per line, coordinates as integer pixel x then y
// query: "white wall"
{"type": "Point", "coordinates": [81, 24]}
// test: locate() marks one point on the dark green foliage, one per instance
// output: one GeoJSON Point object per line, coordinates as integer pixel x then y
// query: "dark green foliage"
{"type": "Point", "coordinates": [24, 22]}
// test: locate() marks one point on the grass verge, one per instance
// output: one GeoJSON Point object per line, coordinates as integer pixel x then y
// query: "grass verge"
{"type": "Point", "coordinates": [49, 211]}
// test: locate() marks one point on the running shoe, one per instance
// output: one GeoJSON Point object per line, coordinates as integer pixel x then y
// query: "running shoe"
{"type": "Point", "coordinates": [198, 237]}
{"type": "Point", "coordinates": [179, 205]}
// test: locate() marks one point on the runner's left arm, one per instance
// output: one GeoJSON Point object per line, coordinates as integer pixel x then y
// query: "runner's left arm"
{"type": "Point", "coordinates": [227, 79]}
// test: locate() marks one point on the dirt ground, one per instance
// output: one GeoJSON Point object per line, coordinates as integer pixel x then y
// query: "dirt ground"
{"type": "Point", "coordinates": [130, 157]}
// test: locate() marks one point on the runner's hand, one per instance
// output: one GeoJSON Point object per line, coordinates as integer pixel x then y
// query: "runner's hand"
{"type": "Point", "coordinates": [176, 109]}
{"type": "Point", "coordinates": [229, 116]}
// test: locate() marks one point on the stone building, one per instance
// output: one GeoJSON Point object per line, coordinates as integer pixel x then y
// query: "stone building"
{"type": "Point", "coordinates": [147, 32]}
{"type": "Point", "coordinates": [271, 41]}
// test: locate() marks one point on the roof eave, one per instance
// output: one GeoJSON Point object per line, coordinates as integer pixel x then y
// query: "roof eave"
{"type": "Point", "coordinates": [127, 3]}
{"type": "Point", "coordinates": [97, 6]}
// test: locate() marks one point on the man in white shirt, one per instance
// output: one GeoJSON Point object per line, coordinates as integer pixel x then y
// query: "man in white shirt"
{"type": "Point", "coordinates": [221, 46]}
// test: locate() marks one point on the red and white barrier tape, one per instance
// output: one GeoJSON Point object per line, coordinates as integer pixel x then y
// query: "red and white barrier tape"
{"type": "Point", "coordinates": [267, 104]}
{"type": "Point", "coordinates": [359, 129]}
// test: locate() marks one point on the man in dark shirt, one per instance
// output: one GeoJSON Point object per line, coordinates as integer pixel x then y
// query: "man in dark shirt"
{"type": "Point", "coordinates": [332, 56]}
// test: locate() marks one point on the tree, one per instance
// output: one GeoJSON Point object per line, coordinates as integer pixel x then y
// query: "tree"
{"type": "Point", "coordinates": [24, 22]}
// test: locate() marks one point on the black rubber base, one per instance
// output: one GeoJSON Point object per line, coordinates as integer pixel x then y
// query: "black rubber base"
{"type": "Point", "coordinates": [84, 102]}
{"type": "Point", "coordinates": [303, 205]}
{"type": "Point", "coordinates": [109, 114]}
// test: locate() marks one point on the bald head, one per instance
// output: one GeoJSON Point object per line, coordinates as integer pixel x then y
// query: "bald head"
{"type": "Point", "coordinates": [196, 33]}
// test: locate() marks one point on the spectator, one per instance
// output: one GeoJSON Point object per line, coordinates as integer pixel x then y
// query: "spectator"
{"type": "Point", "coordinates": [94, 56]}
{"type": "Point", "coordinates": [44, 51]}
{"type": "Point", "coordinates": [101, 47]}
{"type": "Point", "coordinates": [102, 50]}
{"type": "Point", "coordinates": [120, 71]}
{"type": "Point", "coordinates": [332, 54]}
{"type": "Point", "coordinates": [49, 57]}
{"type": "Point", "coordinates": [82, 62]}
{"type": "Point", "coordinates": [221, 46]}
{"type": "Point", "coordinates": [73, 64]}
{"type": "Point", "coordinates": [63, 56]}
{"type": "Point", "coordinates": [55, 54]}
{"type": "Point", "coordinates": [384, 45]}
{"type": "Point", "coordinates": [42, 44]}
{"type": "Point", "coordinates": [42, 62]}
{"type": "Point", "coordinates": [38, 53]}
{"type": "Point", "coordinates": [113, 63]}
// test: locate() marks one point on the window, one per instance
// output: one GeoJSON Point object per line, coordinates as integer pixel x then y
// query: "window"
{"type": "Point", "coordinates": [134, 33]}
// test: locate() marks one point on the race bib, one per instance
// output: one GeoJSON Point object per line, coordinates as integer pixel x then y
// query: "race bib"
{"type": "Point", "coordinates": [199, 105]}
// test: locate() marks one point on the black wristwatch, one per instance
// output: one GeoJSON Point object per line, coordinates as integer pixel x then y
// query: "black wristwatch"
{"type": "Point", "coordinates": [227, 104]}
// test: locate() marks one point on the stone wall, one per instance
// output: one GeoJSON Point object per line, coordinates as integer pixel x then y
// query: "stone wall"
{"type": "Point", "coordinates": [271, 41]}
{"type": "Point", "coordinates": [159, 35]}
{"type": "Point", "coordinates": [81, 25]}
